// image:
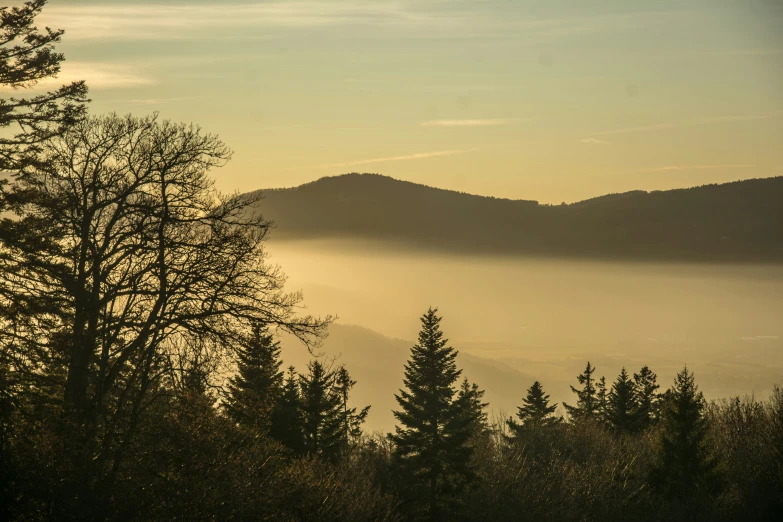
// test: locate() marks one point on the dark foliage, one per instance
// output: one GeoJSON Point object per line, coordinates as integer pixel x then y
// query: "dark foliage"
{"type": "Point", "coordinates": [622, 406]}
{"type": "Point", "coordinates": [254, 392]}
{"type": "Point", "coordinates": [535, 412]}
{"type": "Point", "coordinates": [27, 56]}
{"type": "Point", "coordinates": [684, 465]}
{"type": "Point", "coordinates": [432, 449]}
{"type": "Point", "coordinates": [648, 398]}
{"type": "Point", "coordinates": [589, 405]}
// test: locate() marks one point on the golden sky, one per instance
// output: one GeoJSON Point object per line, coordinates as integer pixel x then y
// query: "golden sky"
{"type": "Point", "coordinates": [548, 100]}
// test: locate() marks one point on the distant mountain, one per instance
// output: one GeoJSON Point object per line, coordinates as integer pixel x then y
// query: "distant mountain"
{"type": "Point", "coordinates": [376, 362]}
{"type": "Point", "coordinates": [739, 221]}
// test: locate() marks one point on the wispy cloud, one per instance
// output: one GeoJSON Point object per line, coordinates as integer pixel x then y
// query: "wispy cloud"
{"type": "Point", "coordinates": [642, 128]}
{"type": "Point", "coordinates": [161, 101]}
{"type": "Point", "coordinates": [467, 123]}
{"type": "Point", "coordinates": [131, 20]}
{"type": "Point", "coordinates": [696, 167]}
{"type": "Point", "coordinates": [97, 75]}
{"type": "Point", "coordinates": [420, 155]}
{"type": "Point", "coordinates": [594, 141]}
{"type": "Point", "coordinates": [149, 21]}
{"type": "Point", "coordinates": [708, 121]}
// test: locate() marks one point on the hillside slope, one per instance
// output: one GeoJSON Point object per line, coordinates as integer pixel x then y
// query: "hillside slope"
{"type": "Point", "coordinates": [377, 363]}
{"type": "Point", "coordinates": [739, 221]}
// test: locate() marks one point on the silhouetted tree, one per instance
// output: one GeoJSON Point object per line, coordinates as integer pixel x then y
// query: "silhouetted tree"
{"type": "Point", "coordinates": [253, 393]}
{"type": "Point", "coordinates": [321, 411]}
{"type": "Point", "coordinates": [534, 412]}
{"type": "Point", "coordinates": [27, 56]}
{"type": "Point", "coordinates": [122, 252]}
{"type": "Point", "coordinates": [775, 443]}
{"type": "Point", "coordinates": [648, 397]}
{"type": "Point", "coordinates": [352, 421]}
{"type": "Point", "coordinates": [587, 403]}
{"type": "Point", "coordinates": [288, 422]}
{"type": "Point", "coordinates": [602, 400]}
{"type": "Point", "coordinates": [432, 449]}
{"type": "Point", "coordinates": [622, 409]}
{"type": "Point", "coordinates": [470, 396]}
{"type": "Point", "coordinates": [684, 465]}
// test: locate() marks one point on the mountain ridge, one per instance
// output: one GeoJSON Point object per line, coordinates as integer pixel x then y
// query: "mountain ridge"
{"type": "Point", "coordinates": [737, 221]}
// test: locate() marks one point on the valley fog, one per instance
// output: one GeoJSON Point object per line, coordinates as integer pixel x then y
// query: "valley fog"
{"type": "Point", "coordinates": [546, 317]}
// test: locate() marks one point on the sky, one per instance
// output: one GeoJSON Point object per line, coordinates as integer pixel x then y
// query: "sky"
{"type": "Point", "coordinates": [547, 100]}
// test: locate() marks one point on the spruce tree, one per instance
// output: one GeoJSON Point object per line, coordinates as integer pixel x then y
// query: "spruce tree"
{"type": "Point", "coordinates": [602, 399]}
{"type": "Point", "coordinates": [351, 420]}
{"type": "Point", "coordinates": [535, 411]}
{"type": "Point", "coordinates": [287, 421]}
{"type": "Point", "coordinates": [622, 409]}
{"type": "Point", "coordinates": [648, 397]}
{"type": "Point", "coordinates": [27, 57]}
{"type": "Point", "coordinates": [432, 450]}
{"type": "Point", "coordinates": [254, 391]}
{"type": "Point", "coordinates": [470, 396]}
{"type": "Point", "coordinates": [322, 418]}
{"type": "Point", "coordinates": [587, 403]}
{"type": "Point", "coordinates": [683, 465]}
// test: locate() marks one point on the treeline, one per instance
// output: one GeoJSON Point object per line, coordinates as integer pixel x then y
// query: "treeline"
{"type": "Point", "coordinates": [140, 378]}
{"type": "Point", "coordinates": [274, 445]}
{"type": "Point", "coordinates": [678, 225]}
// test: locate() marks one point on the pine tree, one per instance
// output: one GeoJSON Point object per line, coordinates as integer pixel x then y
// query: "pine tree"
{"type": "Point", "coordinates": [535, 411]}
{"type": "Point", "coordinates": [27, 56]}
{"type": "Point", "coordinates": [648, 397]}
{"type": "Point", "coordinates": [432, 449]}
{"type": "Point", "coordinates": [287, 420]}
{"type": "Point", "coordinates": [321, 412]}
{"type": "Point", "coordinates": [602, 399]}
{"type": "Point", "coordinates": [470, 396]}
{"type": "Point", "coordinates": [587, 403]}
{"type": "Point", "coordinates": [254, 391]}
{"type": "Point", "coordinates": [622, 410]}
{"type": "Point", "coordinates": [351, 420]}
{"type": "Point", "coordinates": [683, 465]}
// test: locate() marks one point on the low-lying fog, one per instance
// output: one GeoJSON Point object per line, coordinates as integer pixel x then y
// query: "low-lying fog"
{"type": "Point", "coordinates": [546, 318]}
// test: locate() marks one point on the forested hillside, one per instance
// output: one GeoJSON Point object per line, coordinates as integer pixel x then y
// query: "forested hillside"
{"type": "Point", "coordinates": [739, 221]}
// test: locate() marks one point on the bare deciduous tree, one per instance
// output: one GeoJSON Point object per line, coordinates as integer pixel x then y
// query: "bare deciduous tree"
{"type": "Point", "coordinates": [121, 253]}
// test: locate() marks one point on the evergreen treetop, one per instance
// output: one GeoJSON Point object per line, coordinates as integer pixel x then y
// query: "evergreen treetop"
{"type": "Point", "coordinates": [287, 421]}
{"type": "Point", "coordinates": [684, 465]}
{"type": "Point", "coordinates": [351, 420]}
{"type": "Point", "coordinates": [254, 390]}
{"type": "Point", "coordinates": [321, 411]}
{"type": "Point", "coordinates": [431, 441]}
{"type": "Point", "coordinates": [587, 403]}
{"type": "Point", "coordinates": [622, 409]}
{"type": "Point", "coordinates": [648, 397]}
{"type": "Point", "coordinates": [534, 412]}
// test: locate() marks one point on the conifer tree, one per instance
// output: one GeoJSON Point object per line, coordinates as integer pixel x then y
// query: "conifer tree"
{"type": "Point", "coordinates": [432, 449]}
{"type": "Point", "coordinates": [28, 56]}
{"type": "Point", "coordinates": [322, 418]}
{"type": "Point", "coordinates": [587, 403]}
{"type": "Point", "coordinates": [254, 391]}
{"type": "Point", "coordinates": [535, 411]}
{"type": "Point", "coordinates": [352, 421]}
{"type": "Point", "coordinates": [602, 399]}
{"type": "Point", "coordinates": [648, 397]}
{"type": "Point", "coordinates": [683, 465]}
{"type": "Point", "coordinates": [622, 409]}
{"type": "Point", "coordinates": [287, 421]}
{"type": "Point", "coordinates": [470, 396]}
